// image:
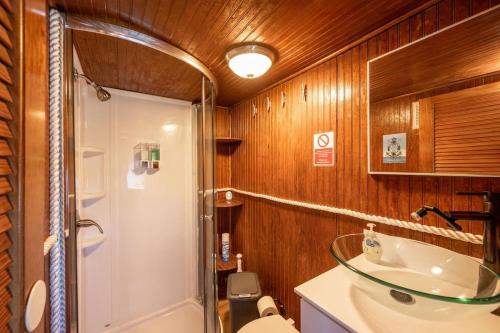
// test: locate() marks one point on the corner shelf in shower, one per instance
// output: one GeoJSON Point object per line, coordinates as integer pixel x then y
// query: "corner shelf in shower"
{"type": "Point", "coordinates": [91, 152]}
{"type": "Point", "coordinates": [92, 195]}
{"type": "Point", "coordinates": [92, 241]}
{"type": "Point", "coordinates": [92, 178]}
{"type": "Point", "coordinates": [228, 140]}
{"type": "Point", "coordinates": [228, 204]}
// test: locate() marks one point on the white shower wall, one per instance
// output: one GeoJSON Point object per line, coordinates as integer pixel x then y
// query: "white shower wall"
{"type": "Point", "coordinates": [147, 262]}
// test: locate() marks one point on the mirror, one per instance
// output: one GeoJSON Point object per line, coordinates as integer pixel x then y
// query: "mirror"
{"type": "Point", "coordinates": [434, 105]}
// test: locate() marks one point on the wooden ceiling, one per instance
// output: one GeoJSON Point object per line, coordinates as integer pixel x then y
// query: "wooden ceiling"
{"type": "Point", "coordinates": [120, 64]}
{"type": "Point", "coordinates": [302, 32]}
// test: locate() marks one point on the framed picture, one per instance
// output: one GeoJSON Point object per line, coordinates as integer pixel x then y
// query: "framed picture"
{"type": "Point", "coordinates": [394, 148]}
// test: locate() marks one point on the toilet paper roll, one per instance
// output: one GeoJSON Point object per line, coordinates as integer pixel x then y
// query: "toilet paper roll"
{"type": "Point", "coordinates": [267, 307]}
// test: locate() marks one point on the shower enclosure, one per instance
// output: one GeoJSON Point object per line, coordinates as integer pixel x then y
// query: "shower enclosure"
{"type": "Point", "coordinates": [141, 245]}
{"type": "Point", "coordinates": [206, 205]}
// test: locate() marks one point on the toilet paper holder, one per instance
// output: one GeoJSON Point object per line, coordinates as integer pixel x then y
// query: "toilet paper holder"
{"type": "Point", "coordinates": [281, 307]}
{"type": "Point", "coordinates": [266, 304]}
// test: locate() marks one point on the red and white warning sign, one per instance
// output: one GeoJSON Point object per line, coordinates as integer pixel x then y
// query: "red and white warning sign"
{"type": "Point", "coordinates": [323, 149]}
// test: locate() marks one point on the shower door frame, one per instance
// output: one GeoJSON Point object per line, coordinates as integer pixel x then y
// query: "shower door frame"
{"type": "Point", "coordinates": [70, 188]}
{"type": "Point", "coordinates": [206, 220]}
{"type": "Point", "coordinates": [207, 244]}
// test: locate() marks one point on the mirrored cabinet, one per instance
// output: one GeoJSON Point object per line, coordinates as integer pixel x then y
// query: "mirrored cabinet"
{"type": "Point", "coordinates": [434, 105]}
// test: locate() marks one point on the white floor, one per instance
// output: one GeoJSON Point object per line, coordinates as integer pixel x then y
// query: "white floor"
{"type": "Point", "coordinates": [187, 318]}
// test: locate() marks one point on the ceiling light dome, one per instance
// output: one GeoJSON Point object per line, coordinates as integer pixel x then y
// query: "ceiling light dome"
{"type": "Point", "coordinates": [250, 61]}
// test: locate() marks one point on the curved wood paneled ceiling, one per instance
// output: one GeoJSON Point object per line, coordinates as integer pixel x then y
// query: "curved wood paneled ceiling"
{"type": "Point", "coordinates": [121, 64]}
{"type": "Point", "coordinates": [301, 31]}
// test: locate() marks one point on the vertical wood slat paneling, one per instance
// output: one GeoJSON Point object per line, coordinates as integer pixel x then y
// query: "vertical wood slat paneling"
{"type": "Point", "coordinates": [223, 150]}
{"type": "Point", "coordinates": [288, 245]}
{"type": "Point", "coordinates": [223, 168]}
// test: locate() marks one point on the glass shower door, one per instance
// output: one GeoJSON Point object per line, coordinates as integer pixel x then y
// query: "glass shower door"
{"type": "Point", "coordinates": [206, 211]}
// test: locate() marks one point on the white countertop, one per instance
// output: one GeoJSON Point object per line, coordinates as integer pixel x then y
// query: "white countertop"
{"type": "Point", "coordinates": [333, 294]}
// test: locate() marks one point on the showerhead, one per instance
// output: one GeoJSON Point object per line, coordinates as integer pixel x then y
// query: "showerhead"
{"type": "Point", "coordinates": [102, 94]}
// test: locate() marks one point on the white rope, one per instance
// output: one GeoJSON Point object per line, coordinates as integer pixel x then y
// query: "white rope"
{"type": "Point", "coordinates": [56, 171]}
{"type": "Point", "coordinates": [463, 236]}
{"type": "Point", "coordinates": [49, 243]}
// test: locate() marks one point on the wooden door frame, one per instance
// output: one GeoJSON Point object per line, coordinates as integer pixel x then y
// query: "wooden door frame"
{"type": "Point", "coordinates": [31, 156]}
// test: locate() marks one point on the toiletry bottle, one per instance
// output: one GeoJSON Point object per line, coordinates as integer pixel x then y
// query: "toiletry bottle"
{"type": "Point", "coordinates": [371, 245]}
{"type": "Point", "coordinates": [225, 247]}
{"type": "Point", "coordinates": [239, 266]}
{"type": "Point", "coordinates": [155, 152]}
{"type": "Point", "coordinates": [144, 151]}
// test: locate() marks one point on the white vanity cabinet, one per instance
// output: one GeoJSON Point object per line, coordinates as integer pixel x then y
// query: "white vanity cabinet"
{"type": "Point", "coordinates": [314, 321]}
{"type": "Point", "coordinates": [331, 304]}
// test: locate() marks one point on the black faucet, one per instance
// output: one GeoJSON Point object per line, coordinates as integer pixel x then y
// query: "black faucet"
{"type": "Point", "coordinates": [490, 215]}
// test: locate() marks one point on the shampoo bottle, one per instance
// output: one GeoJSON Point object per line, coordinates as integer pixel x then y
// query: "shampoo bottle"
{"type": "Point", "coordinates": [225, 247]}
{"type": "Point", "coordinates": [371, 245]}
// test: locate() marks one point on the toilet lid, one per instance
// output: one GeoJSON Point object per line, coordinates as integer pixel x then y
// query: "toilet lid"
{"type": "Point", "coordinates": [271, 324]}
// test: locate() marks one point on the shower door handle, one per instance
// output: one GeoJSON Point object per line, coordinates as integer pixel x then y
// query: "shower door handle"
{"type": "Point", "coordinates": [85, 223]}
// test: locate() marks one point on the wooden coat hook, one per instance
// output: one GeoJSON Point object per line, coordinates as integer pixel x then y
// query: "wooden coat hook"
{"type": "Point", "coordinates": [254, 110]}
{"type": "Point", "coordinates": [303, 89]}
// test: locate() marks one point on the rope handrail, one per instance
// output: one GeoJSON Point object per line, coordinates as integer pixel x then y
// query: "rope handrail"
{"type": "Point", "coordinates": [57, 275]}
{"type": "Point", "coordinates": [49, 243]}
{"type": "Point", "coordinates": [458, 235]}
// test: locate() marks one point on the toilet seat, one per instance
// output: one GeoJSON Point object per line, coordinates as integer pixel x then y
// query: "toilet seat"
{"type": "Point", "coordinates": [271, 324]}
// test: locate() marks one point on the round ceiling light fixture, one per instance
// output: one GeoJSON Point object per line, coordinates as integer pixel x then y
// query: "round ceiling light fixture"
{"type": "Point", "coordinates": [250, 60]}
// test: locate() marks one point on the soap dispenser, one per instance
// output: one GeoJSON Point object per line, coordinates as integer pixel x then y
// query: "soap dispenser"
{"type": "Point", "coordinates": [371, 245]}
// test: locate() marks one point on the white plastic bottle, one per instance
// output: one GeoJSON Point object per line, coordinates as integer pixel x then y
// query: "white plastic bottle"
{"type": "Point", "coordinates": [225, 247]}
{"type": "Point", "coordinates": [371, 245]}
{"type": "Point", "coordinates": [239, 266]}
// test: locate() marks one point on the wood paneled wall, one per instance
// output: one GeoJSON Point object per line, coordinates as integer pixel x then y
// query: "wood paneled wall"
{"type": "Point", "coordinates": [223, 169]}
{"type": "Point", "coordinates": [223, 157]}
{"type": "Point", "coordinates": [287, 246]}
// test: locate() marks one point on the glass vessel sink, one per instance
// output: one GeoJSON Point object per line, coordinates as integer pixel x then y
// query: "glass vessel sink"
{"type": "Point", "coordinates": [419, 279]}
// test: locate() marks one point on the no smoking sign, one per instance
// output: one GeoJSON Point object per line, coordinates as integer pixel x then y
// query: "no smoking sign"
{"type": "Point", "coordinates": [323, 149]}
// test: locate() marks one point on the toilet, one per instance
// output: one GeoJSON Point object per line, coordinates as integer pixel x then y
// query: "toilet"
{"type": "Point", "coordinates": [271, 324]}
{"type": "Point", "coordinates": [243, 292]}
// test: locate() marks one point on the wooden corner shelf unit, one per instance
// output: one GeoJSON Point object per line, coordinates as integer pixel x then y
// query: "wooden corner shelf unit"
{"type": "Point", "coordinates": [226, 266]}
{"type": "Point", "coordinates": [227, 140]}
{"type": "Point", "coordinates": [222, 203]}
